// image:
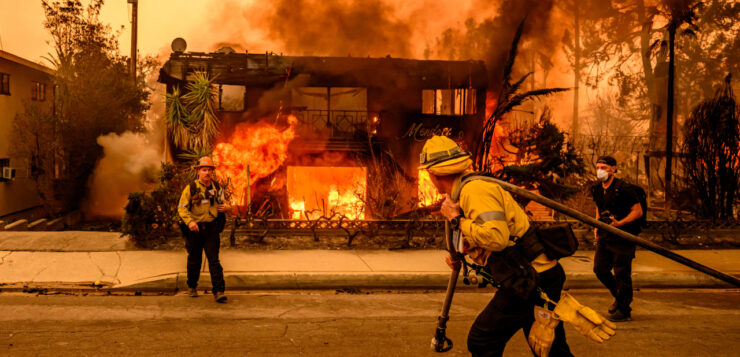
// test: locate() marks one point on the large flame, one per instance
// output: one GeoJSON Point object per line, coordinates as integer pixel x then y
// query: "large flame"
{"type": "Point", "coordinates": [427, 192]}
{"type": "Point", "coordinates": [316, 191]}
{"type": "Point", "coordinates": [262, 147]}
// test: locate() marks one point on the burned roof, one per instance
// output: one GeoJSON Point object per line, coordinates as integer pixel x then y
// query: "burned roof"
{"type": "Point", "coordinates": [266, 70]}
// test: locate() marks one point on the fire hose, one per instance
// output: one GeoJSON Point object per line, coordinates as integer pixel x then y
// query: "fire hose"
{"type": "Point", "coordinates": [441, 343]}
{"type": "Point", "coordinates": [618, 232]}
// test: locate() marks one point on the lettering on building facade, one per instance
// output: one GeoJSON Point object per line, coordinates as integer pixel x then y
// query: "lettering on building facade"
{"type": "Point", "coordinates": [419, 132]}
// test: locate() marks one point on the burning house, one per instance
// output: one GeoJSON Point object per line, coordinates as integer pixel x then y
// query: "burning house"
{"type": "Point", "coordinates": [302, 137]}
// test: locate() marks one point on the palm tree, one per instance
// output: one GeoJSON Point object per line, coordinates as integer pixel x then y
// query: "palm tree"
{"type": "Point", "coordinates": [508, 99]}
{"type": "Point", "coordinates": [191, 117]}
{"type": "Point", "coordinates": [681, 12]}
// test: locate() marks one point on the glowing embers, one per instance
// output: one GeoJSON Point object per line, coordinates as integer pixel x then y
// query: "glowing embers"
{"type": "Point", "coordinates": [428, 194]}
{"type": "Point", "coordinates": [330, 191]}
{"type": "Point", "coordinates": [262, 147]}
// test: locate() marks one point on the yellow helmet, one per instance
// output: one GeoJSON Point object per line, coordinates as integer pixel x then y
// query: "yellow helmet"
{"type": "Point", "coordinates": [442, 151]}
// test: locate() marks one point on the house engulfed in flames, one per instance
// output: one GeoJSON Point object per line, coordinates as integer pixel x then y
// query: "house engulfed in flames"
{"type": "Point", "coordinates": [306, 137]}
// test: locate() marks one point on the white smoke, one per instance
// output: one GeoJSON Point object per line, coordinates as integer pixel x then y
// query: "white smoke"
{"type": "Point", "coordinates": [130, 163]}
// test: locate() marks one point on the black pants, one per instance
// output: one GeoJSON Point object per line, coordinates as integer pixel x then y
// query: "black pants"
{"type": "Point", "coordinates": [619, 283]}
{"type": "Point", "coordinates": [207, 239]}
{"type": "Point", "coordinates": [507, 313]}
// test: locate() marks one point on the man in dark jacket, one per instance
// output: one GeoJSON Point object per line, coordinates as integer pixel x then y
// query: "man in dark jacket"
{"type": "Point", "coordinates": [618, 205]}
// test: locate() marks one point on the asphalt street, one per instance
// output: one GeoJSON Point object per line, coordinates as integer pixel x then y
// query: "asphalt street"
{"type": "Point", "coordinates": [339, 323]}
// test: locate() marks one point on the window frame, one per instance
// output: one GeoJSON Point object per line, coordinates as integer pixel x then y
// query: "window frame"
{"type": "Point", "coordinates": [4, 83]}
{"type": "Point", "coordinates": [461, 102]}
{"type": "Point", "coordinates": [38, 91]}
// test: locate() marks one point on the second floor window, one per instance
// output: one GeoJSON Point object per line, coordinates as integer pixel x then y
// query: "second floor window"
{"type": "Point", "coordinates": [459, 101]}
{"type": "Point", "coordinates": [4, 83]}
{"type": "Point", "coordinates": [38, 91]}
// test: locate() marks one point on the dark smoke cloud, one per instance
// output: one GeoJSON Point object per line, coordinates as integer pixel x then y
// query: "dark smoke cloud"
{"type": "Point", "coordinates": [483, 30]}
{"type": "Point", "coordinates": [490, 39]}
{"type": "Point", "coordinates": [334, 27]}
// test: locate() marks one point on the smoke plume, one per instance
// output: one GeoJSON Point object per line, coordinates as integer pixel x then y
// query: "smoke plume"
{"type": "Point", "coordinates": [130, 163]}
{"type": "Point", "coordinates": [468, 29]}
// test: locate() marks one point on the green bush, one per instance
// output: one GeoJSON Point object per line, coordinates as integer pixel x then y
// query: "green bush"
{"type": "Point", "coordinates": [151, 217]}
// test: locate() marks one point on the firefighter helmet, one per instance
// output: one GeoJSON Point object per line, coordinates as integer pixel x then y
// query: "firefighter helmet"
{"type": "Point", "coordinates": [205, 161]}
{"type": "Point", "coordinates": [441, 150]}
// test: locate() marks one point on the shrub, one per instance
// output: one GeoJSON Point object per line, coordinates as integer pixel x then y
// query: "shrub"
{"type": "Point", "coordinates": [151, 217]}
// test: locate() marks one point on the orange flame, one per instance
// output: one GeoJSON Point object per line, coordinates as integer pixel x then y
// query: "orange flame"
{"type": "Point", "coordinates": [262, 147]}
{"type": "Point", "coordinates": [491, 103]}
{"type": "Point", "coordinates": [339, 190]}
{"type": "Point", "coordinates": [428, 194]}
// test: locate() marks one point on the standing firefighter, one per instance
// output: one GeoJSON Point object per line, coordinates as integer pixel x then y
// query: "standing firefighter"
{"type": "Point", "coordinates": [618, 203]}
{"type": "Point", "coordinates": [201, 209]}
{"type": "Point", "coordinates": [494, 232]}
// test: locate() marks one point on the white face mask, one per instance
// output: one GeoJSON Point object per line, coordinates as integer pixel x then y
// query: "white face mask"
{"type": "Point", "coordinates": [602, 175]}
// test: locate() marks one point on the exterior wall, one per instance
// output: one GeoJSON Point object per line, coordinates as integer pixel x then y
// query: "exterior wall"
{"type": "Point", "coordinates": [19, 194]}
{"type": "Point", "coordinates": [347, 91]}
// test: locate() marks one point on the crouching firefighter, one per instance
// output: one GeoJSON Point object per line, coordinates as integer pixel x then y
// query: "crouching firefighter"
{"type": "Point", "coordinates": [202, 210]}
{"type": "Point", "coordinates": [494, 232]}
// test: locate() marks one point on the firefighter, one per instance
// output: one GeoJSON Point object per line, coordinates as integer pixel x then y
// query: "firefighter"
{"type": "Point", "coordinates": [202, 210]}
{"type": "Point", "coordinates": [490, 221]}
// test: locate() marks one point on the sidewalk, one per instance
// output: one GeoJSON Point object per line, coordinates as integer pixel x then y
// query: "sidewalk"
{"type": "Point", "coordinates": [73, 260]}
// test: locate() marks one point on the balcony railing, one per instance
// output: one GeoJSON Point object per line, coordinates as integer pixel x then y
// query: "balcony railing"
{"type": "Point", "coordinates": [338, 123]}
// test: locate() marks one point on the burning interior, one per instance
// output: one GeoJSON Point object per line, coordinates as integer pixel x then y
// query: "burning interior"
{"type": "Point", "coordinates": [335, 137]}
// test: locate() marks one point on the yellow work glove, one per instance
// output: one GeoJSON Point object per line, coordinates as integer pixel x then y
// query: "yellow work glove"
{"type": "Point", "coordinates": [542, 332]}
{"type": "Point", "coordinates": [584, 319]}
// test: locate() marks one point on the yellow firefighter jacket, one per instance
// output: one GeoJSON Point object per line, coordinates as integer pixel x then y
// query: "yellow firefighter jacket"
{"type": "Point", "coordinates": [202, 210]}
{"type": "Point", "coordinates": [491, 217]}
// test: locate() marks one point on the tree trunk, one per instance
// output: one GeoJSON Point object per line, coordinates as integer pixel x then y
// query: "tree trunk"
{"type": "Point", "coordinates": [576, 69]}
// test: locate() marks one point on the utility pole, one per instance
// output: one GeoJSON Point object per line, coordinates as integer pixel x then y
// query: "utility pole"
{"type": "Point", "coordinates": [576, 69]}
{"type": "Point", "coordinates": [134, 23]}
{"type": "Point", "coordinates": [669, 114]}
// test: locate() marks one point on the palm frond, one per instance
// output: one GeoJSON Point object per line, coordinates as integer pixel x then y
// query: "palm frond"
{"type": "Point", "coordinates": [515, 87]}
{"type": "Point", "coordinates": [521, 98]}
{"type": "Point", "coordinates": [509, 65]}
{"type": "Point", "coordinates": [508, 99]}
{"type": "Point", "coordinates": [192, 155]}
{"type": "Point", "coordinates": [201, 99]}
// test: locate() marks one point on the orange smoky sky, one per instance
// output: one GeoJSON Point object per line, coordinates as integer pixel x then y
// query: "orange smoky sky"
{"type": "Point", "coordinates": [359, 28]}
{"type": "Point", "coordinates": [22, 31]}
{"type": "Point", "coordinates": [254, 25]}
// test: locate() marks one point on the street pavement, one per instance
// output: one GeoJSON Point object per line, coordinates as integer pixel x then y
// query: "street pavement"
{"type": "Point", "coordinates": [666, 322]}
{"type": "Point", "coordinates": [81, 260]}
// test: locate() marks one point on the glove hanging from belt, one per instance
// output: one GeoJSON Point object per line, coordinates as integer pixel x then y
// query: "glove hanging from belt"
{"type": "Point", "coordinates": [584, 319]}
{"type": "Point", "coordinates": [542, 333]}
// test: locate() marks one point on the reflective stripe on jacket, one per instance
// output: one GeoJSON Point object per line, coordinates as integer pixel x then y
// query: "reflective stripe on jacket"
{"type": "Point", "coordinates": [491, 218]}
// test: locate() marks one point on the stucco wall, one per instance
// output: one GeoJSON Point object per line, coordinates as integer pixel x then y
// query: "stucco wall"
{"type": "Point", "coordinates": [19, 194]}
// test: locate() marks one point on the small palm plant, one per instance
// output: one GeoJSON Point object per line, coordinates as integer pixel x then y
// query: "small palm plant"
{"type": "Point", "coordinates": [178, 120]}
{"type": "Point", "coordinates": [191, 117]}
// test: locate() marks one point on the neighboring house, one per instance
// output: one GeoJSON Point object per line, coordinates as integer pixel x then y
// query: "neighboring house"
{"type": "Point", "coordinates": [22, 82]}
{"type": "Point", "coordinates": [350, 107]}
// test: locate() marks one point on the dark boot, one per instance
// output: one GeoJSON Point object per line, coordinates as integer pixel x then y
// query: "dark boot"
{"type": "Point", "coordinates": [620, 316]}
{"type": "Point", "coordinates": [613, 307]}
{"type": "Point", "coordinates": [219, 297]}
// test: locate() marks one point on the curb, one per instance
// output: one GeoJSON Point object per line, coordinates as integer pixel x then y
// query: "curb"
{"type": "Point", "coordinates": [399, 280]}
